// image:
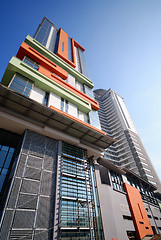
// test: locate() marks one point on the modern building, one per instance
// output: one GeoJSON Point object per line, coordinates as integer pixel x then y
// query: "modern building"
{"type": "Point", "coordinates": [50, 135]}
{"type": "Point", "coordinates": [54, 182]}
{"type": "Point", "coordinates": [128, 152]}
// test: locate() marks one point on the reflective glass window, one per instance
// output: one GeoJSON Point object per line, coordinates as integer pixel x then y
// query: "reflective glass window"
{"type": "Point", "coordinates": [94, 119]}
{"type": "Point", "coordinates": [70, 49]}
{"type": "Point", "coordinates": [43, 32]}
{"type": "Point", "coordinates": [21, 85]}
{"type": "Point", "coordinates": [83, 63]}
{"type": "Point", "coordinates": [31, 62]}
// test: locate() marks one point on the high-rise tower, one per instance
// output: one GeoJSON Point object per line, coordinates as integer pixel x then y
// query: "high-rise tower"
{"type": "Point", "coordinates": [128, 152]}
{"type": "Point", "coordinates": [50, 133]}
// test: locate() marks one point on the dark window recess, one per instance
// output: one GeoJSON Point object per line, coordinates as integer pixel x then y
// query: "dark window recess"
{"type": "Point", "coordinates": [32, 63]}
{"type": "Point", "coordinates": [149, 216]}
{"type": "Point", "coordinates": [127, 217]}
{"type": "Point", "coordinates": [156, 218]}
{"type": "Point", "coordinates": [141, 222]}
{"type": "Point", "coordinates": [104, 175]}
{"type": "Point", "coordinates": [9, 145]}
{"type": "Point", "coordinates": [46, 99]}
{"type": "Point", "coordinates": [146, 227]}
{"type": "Point", "coordinates": [132, 235]}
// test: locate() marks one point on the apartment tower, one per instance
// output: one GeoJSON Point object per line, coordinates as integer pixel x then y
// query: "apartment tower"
{"type": "Point", "coordinates": [128, 152]}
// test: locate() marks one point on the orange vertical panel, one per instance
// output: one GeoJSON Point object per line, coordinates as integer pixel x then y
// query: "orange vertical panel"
{"type": "Point", "coordinates": [63, 48]}
{"type": "Point", "coordinates": [138, 211]}
{"type": "Point", "coordinates": [63, 40]}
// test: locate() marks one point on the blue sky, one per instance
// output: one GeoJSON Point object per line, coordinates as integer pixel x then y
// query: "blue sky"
{"type": "Point", "coordinates": [122, 39]}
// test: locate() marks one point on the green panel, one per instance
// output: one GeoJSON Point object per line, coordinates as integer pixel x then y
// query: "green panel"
{"type": "Point", "coordinates": [54, 58]}
{"type": "Point", "coordinates": [43, 82]}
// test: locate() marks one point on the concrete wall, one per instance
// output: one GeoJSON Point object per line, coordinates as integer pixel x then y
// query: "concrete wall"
{"type": "Point", "coordinates": [113, 205]}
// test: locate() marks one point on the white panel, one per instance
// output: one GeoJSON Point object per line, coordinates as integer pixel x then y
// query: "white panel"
{"type": "Point", "coordinates": [81, 116]}
{"type": "Point", "coordinates": [37, 94]}
{"type": "Point", "coordinates": [49, 38]}
{"type": "Point", "coordinates": [71, 80]}
{"type": "Point", "coordinates": [54, 100]}
{"type": "Point", "coordinates": [79, 86]}
{"type": "Point", "coordinates": [72, 109]}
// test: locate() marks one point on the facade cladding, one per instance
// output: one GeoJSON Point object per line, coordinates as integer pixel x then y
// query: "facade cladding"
{"type": "Point", "coordinates": [128, 152]}
{"type": "Point", "coordinates": [54, 182]}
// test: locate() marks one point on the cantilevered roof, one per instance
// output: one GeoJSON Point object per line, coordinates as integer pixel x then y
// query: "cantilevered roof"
{"type": "Point", "coordinates": [53, 118]}
{"type": "Point", "coordinates": [104, 162]}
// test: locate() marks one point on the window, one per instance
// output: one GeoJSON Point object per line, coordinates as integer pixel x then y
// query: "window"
{"type": "Point", "coordinates": [70, 49]}
{"type": "Point", "coordinates": [64, 105]}
{"type": "Point", "coordinates": [117, 181]}
{"type": "Point", "coordinates": [31, 62]}
{"type": "Point", "coordinates": [21, 85]}
{"type": "Point", "coordinates": [83, 116]}
{"type": "Point", "coordinates": [62, 46]}
{"type": "Point", "coordinates": [74, 201]}
{"type": "Point", "coordinates": [79, 86]}
{"type": "Point", "coordinates": [94, 119]}
{"type": "Point", "coordinates": [43, 32]}
{"type": "Point", "coordinates": [6, 154]}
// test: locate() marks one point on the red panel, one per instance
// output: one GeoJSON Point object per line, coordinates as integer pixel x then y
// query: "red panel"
{"type": "Point", "coordinates": [47, 68]}
{"type": "Point", "coordinates": [138, 211]}
{"type": "Point", "coordinates": [63, 47]}
{"type": "Point", "coordinates": [26, 50]}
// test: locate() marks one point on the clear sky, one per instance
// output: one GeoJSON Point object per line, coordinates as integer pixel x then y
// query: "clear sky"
{"type": "Point", "coordinates": [122, 39]}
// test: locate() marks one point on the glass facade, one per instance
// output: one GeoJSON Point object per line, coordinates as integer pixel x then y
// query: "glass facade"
{"type": "Point", "coordinates": [94, 119]}
{"type": "Point", "coordinates": [77, 211]}
{"type": "Point", "coordinates": [83, 63]}
{"type": "Point", "coordinates": [70, 49]}
{"type": "Point", "coordinates": [6, 155]}
{"type": "Point", "coordinates": [21, 85]}
{"type": "Point", "coordinates": [43, 32]}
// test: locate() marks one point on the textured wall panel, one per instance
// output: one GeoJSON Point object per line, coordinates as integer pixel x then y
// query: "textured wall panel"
{"type": "Point", "coordinates": [32, 173]}
{"type": "Point", "coordinates": [6, 224]}
{"type": "Point", "coordinates": [32, 197]}
{"type": "Point", "coordinates": [14, 193]}
{"type": "Point", "coordinates": [34, 162]}
{"type": "Point", "coordinates": [26, 201]}
{"type": "Point", "coordinates": [29, 186]}
{"type": "Point", "coordinates": [23, 219]}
